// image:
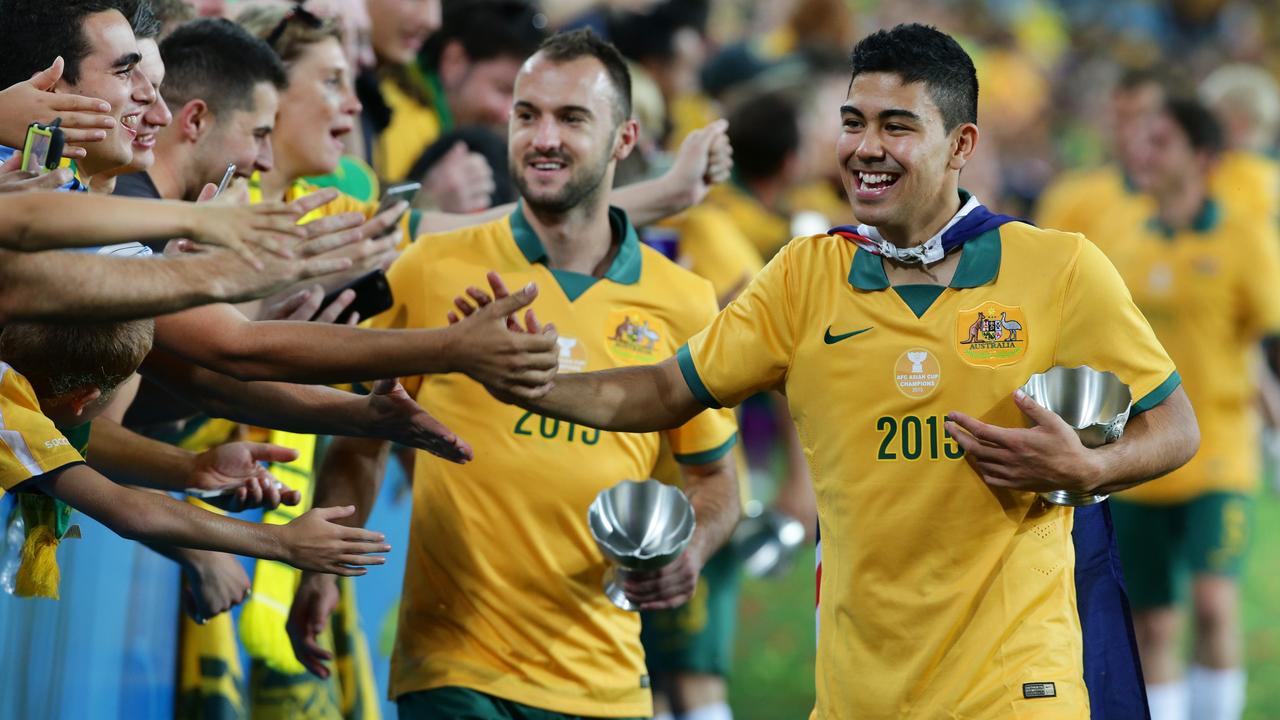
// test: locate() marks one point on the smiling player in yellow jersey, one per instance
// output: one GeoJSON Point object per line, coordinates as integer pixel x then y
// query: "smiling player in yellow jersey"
{"type": "Point", "coordinates": [503, 614]}
{"type": "Point", "coordinates": [949, 588]}
{"type": "Point", "coordinates": [1208, 279]}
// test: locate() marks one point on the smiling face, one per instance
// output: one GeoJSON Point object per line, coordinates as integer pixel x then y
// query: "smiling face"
{"type": "Point", "coordinates": [563, 136]}
{"type": "Point", "coordinates": [316, 111]}
{"type": "Point", "coordinates": [400, 27]}
{"type": "Point", "coordinates": [899, 164]}
{"type": "Point", "coordinates": [110, 72]}
{"type": "Point", "coordinates": [157, 115]}
{"type": "Point", "coordinates": [242, 137]}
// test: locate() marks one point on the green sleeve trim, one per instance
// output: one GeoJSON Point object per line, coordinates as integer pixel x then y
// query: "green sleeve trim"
{"type": "Point", "coordinates": [415, 220]}
{"type": "Point", "coordinates": [1157, 396]}
{"type": "Point", "coordinates": [708, 456]}
{"type": "Point", "coordinates": [691, 378]}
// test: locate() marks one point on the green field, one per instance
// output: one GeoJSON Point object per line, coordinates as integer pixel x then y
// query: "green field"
{"type": "Point", "coordinates": [773, 674]}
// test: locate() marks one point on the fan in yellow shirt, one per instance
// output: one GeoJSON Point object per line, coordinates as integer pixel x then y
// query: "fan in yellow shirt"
{"type": "Point", "coordinates": [502, 613]}
{"type": "Point", "coordinates": [462, 77]}
{"type": "Point", "coordinates": [948, 587]}
{"type": "Point", "coordinates": [1207, 277]}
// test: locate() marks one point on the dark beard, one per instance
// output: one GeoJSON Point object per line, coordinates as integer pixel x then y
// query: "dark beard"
{"type": "Point", "coordinates": [580, 190]}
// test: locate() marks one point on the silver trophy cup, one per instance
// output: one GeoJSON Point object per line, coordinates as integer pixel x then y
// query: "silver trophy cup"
{"type": "Point", "coordinates": [1095, 403]}
{"type": "Point", "coordinates": [639, 526]}
{"type": "Point", "coordinates": [766, 542]}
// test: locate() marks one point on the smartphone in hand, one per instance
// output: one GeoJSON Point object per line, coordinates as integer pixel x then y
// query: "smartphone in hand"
{"type": "Point", "coordinates": [226, 178]}
{"type": "Point", "coordinates": [42, 151]}
{"type": "Point", "coordinates": [395, 193]}
{"type": "Point", "coordinates": [373, 296]}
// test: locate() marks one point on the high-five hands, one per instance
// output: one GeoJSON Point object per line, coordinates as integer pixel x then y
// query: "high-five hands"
{"type": "Point", "coordinates": [514, 361]}
{"type": "Point", "coordinates": [704, 159]}
{"type": "Point", "coordinates": [236, 469]}
{"type": "Point", "coordinates": [1046, 457]}
{"type": "Point", "coordinates": [401, 419]}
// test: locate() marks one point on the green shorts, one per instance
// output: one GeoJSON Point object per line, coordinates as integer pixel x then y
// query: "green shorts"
{"type": "Point", "coordinates": [698, 636]}
{"type": "Point", "coordinates": [1162, 545]}
{"type": "Point", "coordinates": [457, 703]}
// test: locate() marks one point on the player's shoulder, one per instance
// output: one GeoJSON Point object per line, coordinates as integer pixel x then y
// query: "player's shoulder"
{"type": "Point", "coordinates": [1041, 252]}
{"type": "Point", "coordinates": [21, 412]}
{"type": "Point", "coordinates": [480, 241]}
{"type": "Point", "coordinates": [1086, 179]}
{"type": "Point", "coordinates": [817, 251]}
{"type": "Point", "coordinates": [659, 274]}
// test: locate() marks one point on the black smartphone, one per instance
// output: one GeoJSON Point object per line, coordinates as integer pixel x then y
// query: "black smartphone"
{"type": "Point", "coordinates": [373, 296]}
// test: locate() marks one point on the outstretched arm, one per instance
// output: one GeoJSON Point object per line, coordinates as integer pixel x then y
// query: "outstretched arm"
{"type": "Point", "coordinates": [351, 474]}
{"type": "Point", "coordinates": [222, 339]}
{"type": "Point", "coordinates": [635, 399]}
{"type": "Point", "coordinates": [387, 413]}
{"type": "Point", "coordinates": [310, 542]}
{"type": "Point", "coordinates": [95, 288]}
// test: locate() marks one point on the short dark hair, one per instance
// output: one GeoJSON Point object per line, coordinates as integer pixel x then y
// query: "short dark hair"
{"type": "Point", "coordinates": [763, 130]}
{"type": "Point", "coordinates": [921, 53]}
{"type": "Point", "coordinates": [652, 35]}
{"type": "Point", "coordinates": [569, 46]}
{"type": "Point", "coordinates": [59, 358]}
{"type": "Point", "coordinates": [1198, 122]}
{"type": "Point", "coordinates": [35, 32]}
{"type": "Point", "coordinates": [219, 62]}
{"type": "Point", "coordinates": [486, 29]}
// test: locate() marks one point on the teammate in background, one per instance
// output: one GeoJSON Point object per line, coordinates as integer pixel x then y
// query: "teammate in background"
{"type": "Point", "coordinates": [478, 46]}
{"type": "Point", "coordinates": [765, 132]}
{"type": "Point", "coordinates": [502, 613]}
{"type": "Point", "coordinates": [1208, 280]}
{"type": "Point", "coordinates": [866, 332]}
{"type": "Point", "coordinates": [54, 381]}
{"type": "Point", "coordinates": [1246, 101]}
{"type": "Point", "coordinates": [1087, 201]}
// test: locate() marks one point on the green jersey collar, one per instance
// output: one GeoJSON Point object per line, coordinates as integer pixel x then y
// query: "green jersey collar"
{"type": "Point", "coordinates": [1204, 222]}
{"type": "Point", "coordinates": [625, 268]}
{"type": "Point", "coordinates": [979, 264]}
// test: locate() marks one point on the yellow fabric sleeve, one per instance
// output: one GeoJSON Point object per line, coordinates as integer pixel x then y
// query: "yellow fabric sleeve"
{"type": "Point", "coordinates": [1103, 328]}
{"type": "Point", "coordinates": [30, 444]}
{"type": "Point", "coordinates": [747, 348]}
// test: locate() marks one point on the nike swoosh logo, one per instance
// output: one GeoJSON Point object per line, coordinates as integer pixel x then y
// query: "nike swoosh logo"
{"type": "Point", "coordinates": [833, 339]}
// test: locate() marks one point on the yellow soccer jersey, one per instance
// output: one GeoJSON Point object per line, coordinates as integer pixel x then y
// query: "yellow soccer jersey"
{"type": "Point", "coordinates": [940, 596]}
{"type": "Point", "coordinates": [413, 128]}
{"type": "Point", "coordinates": [344, 203]}
{"type": "Point", "coordinates": [766, 229]}
{"type": "Point", "coordinates": [713, 247]}
{"type": "Point", "coordinates": [503, 583]}
{"type": "Point", "coordinates": [1211, 293]}
{"type": "Point", "coordinates": [1090, 202]}
{"type": "Point", "coordinates": [1247, 184]}
{"type": "Point", "coordinates": [30, 445]}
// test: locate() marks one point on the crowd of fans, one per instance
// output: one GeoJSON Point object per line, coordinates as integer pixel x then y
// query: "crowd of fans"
{"type": "Point", "coordinates": [191, 280]}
